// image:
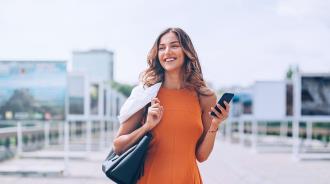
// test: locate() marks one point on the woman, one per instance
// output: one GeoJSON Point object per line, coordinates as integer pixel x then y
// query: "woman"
{"type": "Point", "coordinates": [179, 117]}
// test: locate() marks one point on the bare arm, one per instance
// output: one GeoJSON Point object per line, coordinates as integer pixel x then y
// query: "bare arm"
{"type": "Point", "coordinates": [210, 124]}
{"type": "Point", "coordinates": [131, 130]}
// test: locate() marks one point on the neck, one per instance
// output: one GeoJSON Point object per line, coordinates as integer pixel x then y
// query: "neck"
{"type": "Point", "coordinates": [173, 80]}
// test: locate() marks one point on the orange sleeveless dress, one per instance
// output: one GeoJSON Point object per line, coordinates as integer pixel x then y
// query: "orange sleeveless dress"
{"type": "Point", "coordinates": [171, 155]}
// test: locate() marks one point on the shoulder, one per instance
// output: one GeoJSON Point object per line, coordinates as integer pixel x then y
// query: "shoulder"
{"type": "Point", "coordinates": [207, 100]}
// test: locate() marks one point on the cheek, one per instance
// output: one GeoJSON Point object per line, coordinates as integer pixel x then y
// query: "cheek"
{"type": "Point", "coordinates": [160, 60]}
{"type": "Point", "coordinates": [182, 57]}
{"type": "Point", "coordinates": [159, 55]}
{"type": "Point", "coordinates": [181, 54]}
{"type": "Point", "coordinates": [181, 62]}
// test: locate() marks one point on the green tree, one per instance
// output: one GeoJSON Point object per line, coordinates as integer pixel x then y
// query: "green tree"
{"type": "Point", "coordinates": [125, 89]}
{"type": "Point", "coordinates": [289, 73]}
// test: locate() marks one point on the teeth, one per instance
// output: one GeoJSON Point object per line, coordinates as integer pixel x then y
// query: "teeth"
{"type": "Point", "coordinates": [169, 59]}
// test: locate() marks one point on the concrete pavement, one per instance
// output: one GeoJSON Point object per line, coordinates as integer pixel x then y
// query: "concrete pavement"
{"type": "Point", "coordinates": [229, 163]}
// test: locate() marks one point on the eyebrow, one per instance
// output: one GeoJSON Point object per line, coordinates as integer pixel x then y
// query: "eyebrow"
{"type": "Point", "coordinates": [170, 42]}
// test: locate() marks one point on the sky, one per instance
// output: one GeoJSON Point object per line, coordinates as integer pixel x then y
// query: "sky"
{"type": "Point", "coordinates": [237, 41]}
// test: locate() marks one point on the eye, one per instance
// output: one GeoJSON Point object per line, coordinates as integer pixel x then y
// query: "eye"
{"type": "Point", "coordinates": [161, 48]}
{"type": "Point", "coordinates": [175, 46]}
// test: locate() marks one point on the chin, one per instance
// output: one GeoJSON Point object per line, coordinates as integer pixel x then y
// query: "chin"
{"type": "Point", "coordinates": [170, 69]}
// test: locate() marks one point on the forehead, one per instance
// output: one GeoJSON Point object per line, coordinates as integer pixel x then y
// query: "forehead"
{"type": "Point", "coordinates": [168, 38]}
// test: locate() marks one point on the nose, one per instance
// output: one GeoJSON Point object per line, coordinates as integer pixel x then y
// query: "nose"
{"type": "Point", "coordinates": [167, 50]}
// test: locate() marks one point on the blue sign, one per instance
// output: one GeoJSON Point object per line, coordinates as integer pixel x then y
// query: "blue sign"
{"type": "Point", "coordinates": [32, 90]}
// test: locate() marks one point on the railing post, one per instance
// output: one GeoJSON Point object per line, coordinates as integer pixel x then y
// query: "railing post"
{"type": "Point", "coordinates": [19, 139]}
{"type": "Point", "coordinates": [309, 131]}
{"type": "Point", "coordinates": [88, 136]}
{"type": "Point", "coordinates": [102, 134]}
{"type": "Point", "coordinates": [295, 136]}
{"type": "Point", "coordinates": [60, 132]}
{"type": "Point", "coordinates": [66, 147]}
{"type": "Point", "coordinates": [254, 131]}
{"type": "Point", "coordinates": [241, 130]}
{"type": "Point", "coordinates": [46, 133]}
{"type": "Point", "coordinates": [283, 130]}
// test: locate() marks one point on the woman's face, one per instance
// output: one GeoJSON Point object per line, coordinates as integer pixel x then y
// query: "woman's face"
{"type": "Point", "coordinates": [170, 53]}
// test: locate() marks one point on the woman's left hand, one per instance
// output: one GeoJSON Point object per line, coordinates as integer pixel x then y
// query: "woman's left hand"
{"type": "Point", "coordinates": [221, 116]}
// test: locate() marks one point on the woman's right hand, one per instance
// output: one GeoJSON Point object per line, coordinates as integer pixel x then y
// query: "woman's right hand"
{"type": "Point", "coordinates": [155, 114]}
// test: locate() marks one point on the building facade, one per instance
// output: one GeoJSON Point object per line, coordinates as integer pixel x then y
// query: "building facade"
{"type": "Point", "coordinates": [96, 64]}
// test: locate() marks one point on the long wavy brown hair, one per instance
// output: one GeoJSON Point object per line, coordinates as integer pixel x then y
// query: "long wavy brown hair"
{"type": "Point", "coordinates": [192, 76]}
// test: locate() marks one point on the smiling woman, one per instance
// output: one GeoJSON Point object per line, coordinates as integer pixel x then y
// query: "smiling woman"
{"type": "Point", "coordinates": [174, 44]}
{"type": "Point", "coordinates": [170, 52]}
{"type": "Point", "coordinates": [179, 117]}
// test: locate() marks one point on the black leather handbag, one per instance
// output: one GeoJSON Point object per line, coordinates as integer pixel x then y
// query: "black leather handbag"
{"type": "Point", "coordinates": [128, 167]}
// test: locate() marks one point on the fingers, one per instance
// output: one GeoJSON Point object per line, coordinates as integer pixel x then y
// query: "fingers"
{"type": "Point", "coordinates": [156, 108]}
{"type": "Point", "coordinates": [217, 113]}
{"type": "Point", "coordinates": [227, 106]}
{"type": "Point", "coordinates": [156, 105]}
{"type": "Point", "coordinates": [223, 114]}
{"type": "Point", "coordinates": [155, 101]}
{"type": "Point", "coordinates": [154, 112]}
{"type": "Point", "coordinates": [157, 111]}
{"type": "Point", "coordinates": [223, 110]}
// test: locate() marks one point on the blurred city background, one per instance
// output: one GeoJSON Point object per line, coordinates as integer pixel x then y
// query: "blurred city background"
{"type": "Point", "coordinates": [66, 67]}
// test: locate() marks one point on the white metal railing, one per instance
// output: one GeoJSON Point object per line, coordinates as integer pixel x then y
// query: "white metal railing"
{"type": "Point", "coordinates": [295, 140]}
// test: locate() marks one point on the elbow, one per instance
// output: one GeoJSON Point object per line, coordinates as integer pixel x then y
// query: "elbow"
{"type": "Point", "coordinates": [201, 158]}
{"type": "Point", "coordinates": [117, 147]}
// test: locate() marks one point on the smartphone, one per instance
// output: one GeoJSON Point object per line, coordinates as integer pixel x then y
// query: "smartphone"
{"type": "Point", "coordinates": [225, 97]}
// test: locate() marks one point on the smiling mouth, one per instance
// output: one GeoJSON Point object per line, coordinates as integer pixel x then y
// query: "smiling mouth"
{"type": "Point", "coordinates": [170, 59]}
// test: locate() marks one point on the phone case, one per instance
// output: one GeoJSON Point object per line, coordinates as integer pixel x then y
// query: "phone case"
{"type": "Point", "coordinates": [225, 97]}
